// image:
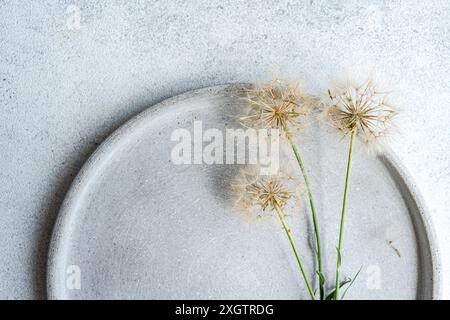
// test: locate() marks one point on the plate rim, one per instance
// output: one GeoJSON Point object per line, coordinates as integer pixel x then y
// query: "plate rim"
{"type": "Point", "coordinates": [62, 223]}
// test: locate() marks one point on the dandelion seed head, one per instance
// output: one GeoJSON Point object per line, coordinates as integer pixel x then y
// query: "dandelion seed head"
{"type": "Point", "coordinates": [278, 105]}
{"type": "Point", "coordinates": [363, 109]}
{"type": "Point", "coordinates": [256, 192]}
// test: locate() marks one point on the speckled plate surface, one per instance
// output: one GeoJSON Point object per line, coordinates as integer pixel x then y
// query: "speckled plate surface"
{"type": "Point", "coordinates": [135, 225]}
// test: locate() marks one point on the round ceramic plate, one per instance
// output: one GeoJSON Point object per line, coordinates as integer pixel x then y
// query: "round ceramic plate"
{"type": "Point", "coordinates": [136, 225]}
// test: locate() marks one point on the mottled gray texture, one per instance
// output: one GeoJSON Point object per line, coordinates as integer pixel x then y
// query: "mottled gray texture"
{"type": "Point", "coordinates": [62, 91]}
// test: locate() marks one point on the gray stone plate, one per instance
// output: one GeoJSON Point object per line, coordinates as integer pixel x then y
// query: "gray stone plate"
{"type": "Point", "coordinates": [134, 225]}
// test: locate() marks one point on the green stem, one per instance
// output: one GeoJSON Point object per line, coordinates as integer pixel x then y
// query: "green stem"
{"type": "Point", "coordinates": [313, 211]}
{"type": "Point", "coordinates": [291, 240]}
{"type": "Point", "coordinates": [344, 204]}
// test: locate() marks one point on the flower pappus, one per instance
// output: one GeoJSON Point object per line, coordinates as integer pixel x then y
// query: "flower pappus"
{"type": "Point", "coordinates": [256, 193]}
{"type": "Point", "coordinates": [361, 108]}
{"type": "Point", "coordinates": [277, 105]}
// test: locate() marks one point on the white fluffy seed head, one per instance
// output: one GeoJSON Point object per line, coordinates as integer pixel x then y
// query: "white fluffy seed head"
{"type": "Point", "coordinates": [361, 108]}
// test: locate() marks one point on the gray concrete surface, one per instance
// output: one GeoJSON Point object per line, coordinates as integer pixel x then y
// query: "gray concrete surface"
{"type": "Point", "coordinates": [65, 86]}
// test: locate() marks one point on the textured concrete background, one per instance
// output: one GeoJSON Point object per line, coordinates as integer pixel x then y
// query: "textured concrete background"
{"type": "Point", "coordinates": [64, 88]}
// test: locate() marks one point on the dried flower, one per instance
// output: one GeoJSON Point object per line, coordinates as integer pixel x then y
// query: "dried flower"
{"type": "Point", "coordinates": [362, 109]}
{"type": "Point", "coordinates": [261, 192]}
{"type": "Point", "coordinates": [255, 191]}
{"type": "Point", "coordinates": [277, 105]}
{"type": "Point", "coordinates": [283, 106]}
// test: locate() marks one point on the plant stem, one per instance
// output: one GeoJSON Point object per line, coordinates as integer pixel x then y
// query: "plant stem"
{"type": "Point", "coordinates": [344, 203]}
{"type": "Point", "coordinates": [313, 212]}
{"type": "Point", "coordinates": [291, 240]}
